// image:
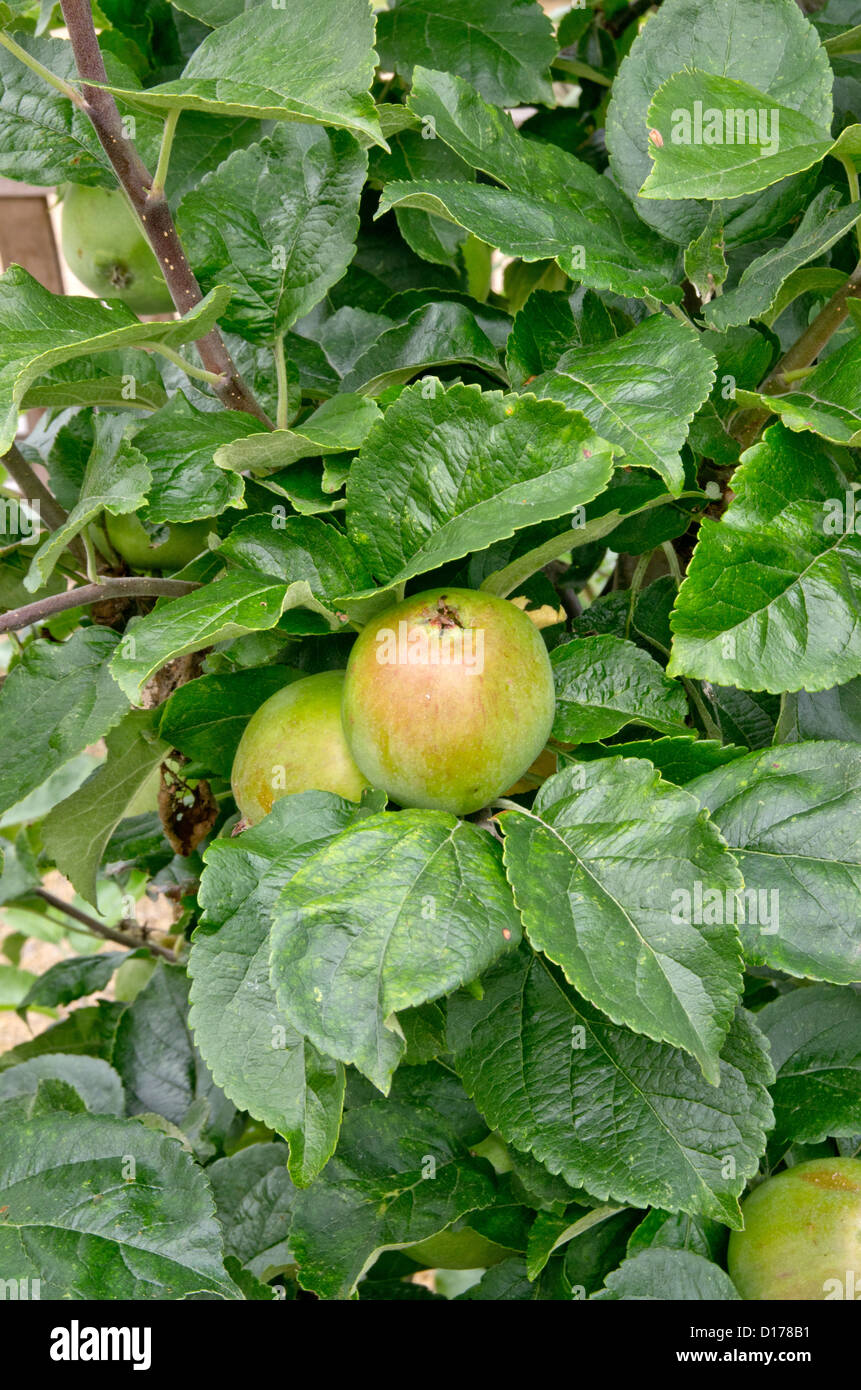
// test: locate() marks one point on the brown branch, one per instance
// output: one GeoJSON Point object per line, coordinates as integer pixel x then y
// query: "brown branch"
{"type": "Point", "coordinates": [150, 206]}
{"type": "Point", "coordinates": [803, 353]}
{"type": "Point", "coordinates": [34, 489]}
{"type": "Point", "coordinates": [133, 937]}
{"type": "Point", "coordinates": [135, 587]}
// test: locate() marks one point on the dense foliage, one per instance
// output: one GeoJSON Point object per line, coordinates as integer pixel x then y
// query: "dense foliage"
{"type": "Point", "coordinates": [563, 310]}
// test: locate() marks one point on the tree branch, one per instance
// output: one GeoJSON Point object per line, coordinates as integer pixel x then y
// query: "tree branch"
{"type": "Point", "coordinates": [134, 938]}
{"type": "Point", "coordinates": [803, 352]}
{"type": "Point", "coordinates": [135, 587]}
{"type": "Point", "coordinates": [150, 205]}
{"type": "Point", "coordinates": [32, 487]}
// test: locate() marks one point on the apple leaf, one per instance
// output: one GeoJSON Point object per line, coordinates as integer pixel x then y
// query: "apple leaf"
{"type": "Point", "coordinates": [231, 606]}
{"type": "Point", "coordinates": [792, 818]}
{"type": "Point", "coordinates": [502, 47]}
{"type": "Point", "coordinates": [95, 1081]}
{"type": "Point", "coordinates": [77, 830]}
{"type": "Point", "coordinates": [273, 1071]}
{"type": "Point", "coordinates": [825, 220]}
{"type": "Point", "coordinates": [205, 718]}
{"type": "Point", "coordinates": [38, 330]}
{"type": "Point", "coordinates": [340, 423]}
{"type": "Point", "coordinates": [604, 683]}
{"type": "Point", "coordinates": [116, 480]}
{"type": "Point", "coordinates": [596, 868]}
{"type": "Point", "coordinates": [774, 49]}
{"type": "Point", "coordinates": [678, 760]}
{"type": "Point", "coordinates": [434, 335]}
{"type": "Point", "coordinates": [74, 1224]}
{"type": "Point", "coordinates": [770, 598]}
{"type": "Point", "coordinates": [815, 1038]}
{"type": "Point", "coordinates": [448, 473]}
{"type": "Point", "coordinates": [254, 1198]}
{"type": "Point", "coordinates": [834, 714]}
{"type": "Point", "coordinates": [57, 700]}
{"type": "Point", "coordinates": [300, 548]}
{"type": "Point", "coordinates": [278, 243]}
{"type": "Point", "coordinates": [442, 912]}
{"type": "Point", "coordinates": [671, 1276]}
{"type": "Point", "coordinates": [628, 1118]}
{"type": "Point", "coordinates": [178, 443]}
{"type": "Point", "coordinates": [640, 391]}
{"type": "Point", "coordinates": [827, 402]}
{"type": "Point", "coordinates": [547, 325]}
{"type": "Point", "coordinates": [380, 1192]}
{"type": "Point", "coordinates": [551, 205]}
{"type": "Point", "coordinates": [279, 63]}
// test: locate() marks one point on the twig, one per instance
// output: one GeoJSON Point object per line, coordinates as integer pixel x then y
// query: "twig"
{"type": "Point", "coordinates": [137, 586]}
{"type": "Point", "coordinates": [133, 938]}
{"type": "Point", "coordinates": [803, 353]}
{"type": "Point", "coordinates": [34, 489]}
{"type": "Point", "coordinates": [150, 204]}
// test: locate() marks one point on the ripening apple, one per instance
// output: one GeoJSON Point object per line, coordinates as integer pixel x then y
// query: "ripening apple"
{"type": "Point", "coordinates": [106, 249]}
{"type": "Point", "coordinates": [802, 1234]}
{"type": "Point", "coordinates": [448, 699]}
{"type": "Point", "coordinates": [129, 537]}
{"type": "Point", "coordinates": [295, 743]}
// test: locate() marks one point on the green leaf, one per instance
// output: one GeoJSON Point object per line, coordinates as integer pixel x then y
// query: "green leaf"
{"type": "Point", "coordinates": [629, 1118]}
{"type": "Point", "coordinates": [116, 480]}
{"type": "Point", "coordinates": [448, 473]}
{"type": "Point", "coordinates": [414, 157]}
{"type": "Point", "coordinates": [72, 978]}
{"type": "Point", "coordinates": [678, 760]}
{"type": "Point", "coordinates": [826, 403]}
{"type": "Point", "coordinates": [44, 139]}
{"type": "Point", "coordinates": [705, 261]}
{"type": "Point", "coordinates": [815, 1037]}
{"type": "Point", "coordinates": [396, 911]}
{"type": "Point", "coordinates": [400, 1175]}
{"type": "Point", "coordinates": [280, 64]}
{"type": "Point", "coordinates": [825, 222]}
{"type": "Point", "coordinates": [15, 985]}
{"type": "Point", "coordinates": [94, 1080]}
{"type": "Point", "coordinates": [434, 335]}
{"type": "Point", "coordinates": [58, 699]}
{"type": "Point", "coordinates": [280, 242]}
{"type": "Point", "coordinates": [179, 443]}
{"type": "Point", "coordinates": [775, 49]}
{"type": "Point", "coordinates": [76, 832]}
{"type": "Point", "coordinates": [640, 391]}
{"type": "Point", "coordinates": [548, 324]}
{"type": "Point", "coordinates": [551, 205]}
{"type": "Point", "coordinates": [254, 1198]}
{"type": "Point", "coordinates": [122, 379]}
{"type": "Point", "coordinates": [39, 330]}
{"type": "Point", "coordinates": [502, 47]}
{"type": "Point", "coordinates": [161, 1069]}
{"type": "Point", "coordinates": [229, 607]}
{"type": "Point", "coordinates": [743, 356]}
{"type": "Point", "coordinates": [98, 1207]}
{"type": "Point", "coordinates": [770, 598]}
{"type": "Point", "coordinates": [721, 138]}
{"type": "Point", "coordinates": [792, 817]}
{"type": "Point", "coordinates": [670, 1276]}
{"type": "Point", "coordinates": [664, 1230]}
{"type": "Point", "coordinates": [88, 1031]}
{"type": "Point", "coordinates": [205, 718]}
{"type": "Point", "coordinates": [604, 683]}
{"type": "Point", "coordinates": [834, 714]}
{"type": "Point", "coordinates": [339, 424]}
{"type": "Point", "coordinates": [255, 1054]}
{"type": "Point", "coordinates": [602, 870]}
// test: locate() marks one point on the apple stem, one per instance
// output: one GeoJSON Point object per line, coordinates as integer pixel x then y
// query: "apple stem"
{"type": "Point", "coordinates": [196, 373]}
{"type": "Point", "coordinates": [150, 206]}
{"type": "Point", "coordinates": [283, 388]}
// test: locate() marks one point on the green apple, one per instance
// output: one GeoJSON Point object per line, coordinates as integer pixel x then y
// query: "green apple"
{"type": "Point", "coordinates": [802, 1234]}
{"type": "Point", "coordinates": [448, 699]}
{"type": "Point", "coordinates": [457, 1247]}
{"type": "Point", "coordinates": [106, 249]}
{"type": "Point", "coordinates": [295, 743]}
{"type": "Point", "coordinates": [130, 538]}
{"type": "Point", "coordinates": [132, 976]}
